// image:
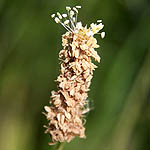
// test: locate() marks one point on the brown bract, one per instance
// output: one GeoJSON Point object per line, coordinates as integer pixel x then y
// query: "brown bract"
{"type": "Point", "coordinates": [67, 106]}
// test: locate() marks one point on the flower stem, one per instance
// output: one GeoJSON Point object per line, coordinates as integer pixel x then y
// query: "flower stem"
{"type": "Point", "coordinates": [60, 146]}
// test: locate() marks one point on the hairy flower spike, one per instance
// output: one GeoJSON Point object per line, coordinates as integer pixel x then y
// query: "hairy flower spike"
{"type": "Point", "coordinates": [68, 104]}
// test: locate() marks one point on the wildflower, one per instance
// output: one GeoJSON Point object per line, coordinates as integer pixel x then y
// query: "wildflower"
{"type": "Point", "coordinates": [68, 104]}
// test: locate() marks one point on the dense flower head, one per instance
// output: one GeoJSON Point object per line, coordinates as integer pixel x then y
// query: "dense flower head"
{"type": "Point", "coordinates": [68, 104]}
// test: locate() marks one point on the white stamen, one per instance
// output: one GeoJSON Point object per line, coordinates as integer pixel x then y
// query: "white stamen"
{"type": "Point", "coordinates": [47, 109]}
{"type": "Point", "coordinates": [102, 35]}
{"type": "Point", "coordinates": [53, 15]}
{"type": "Point", "coordinates": [75, 9]}
{"type": "Point", "coordinates": [99, 21]}
{"type": "Point", "coordinates": [66, 27]}
{"type": "Point", "coordinates": [79, 25]}
{"type": "Point", "coordinates": [69, 28]}
{"type": "Point", "coordinates": [72, 25]}
{"type": "Point", "coordinates": [57, 20]}
{"type": "Point", "coordinates": [74, 19]}
{"type": "Point", "coordinates": [71, 13]}
{"type": "Point", "coordinates": [66, 22]}
{"type": "Point", "coordinates": [64, 15]}
{"type": "Point", "coordinates": [100, 26]}
{"type": "Point", "coordinates": [96, 28]}
{"type": "Point", "coordinates": [59, 15]}
{"type": "Point", "coordinates": [70, 18]}
{"type": "Point", "coordinates": [78, 7]}
{"type": "Point", "coordinates": [68, 8]}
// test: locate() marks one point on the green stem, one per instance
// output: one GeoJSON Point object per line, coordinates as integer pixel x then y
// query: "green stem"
{"type": "Point", "coordinates": [60, 146]}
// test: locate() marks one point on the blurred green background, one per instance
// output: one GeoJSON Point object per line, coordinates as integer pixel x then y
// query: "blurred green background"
{"type": "Point", "coordinates": [120, 92]}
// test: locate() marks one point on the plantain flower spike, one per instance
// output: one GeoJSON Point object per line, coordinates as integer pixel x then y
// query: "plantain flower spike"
{"type": "Point", "coordinates": [66, 112]}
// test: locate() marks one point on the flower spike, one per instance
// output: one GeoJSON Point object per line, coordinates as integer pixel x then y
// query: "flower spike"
{"type": "Point", "coordinates": [69, 104]}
